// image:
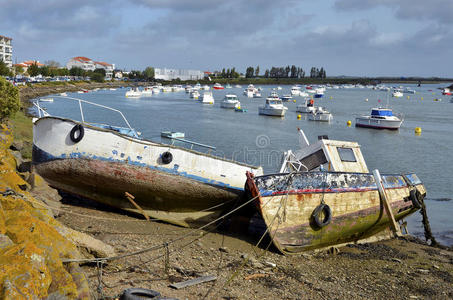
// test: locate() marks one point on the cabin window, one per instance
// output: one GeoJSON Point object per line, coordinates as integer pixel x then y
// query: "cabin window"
{"type": "Point", "coordinates": [346, 154]}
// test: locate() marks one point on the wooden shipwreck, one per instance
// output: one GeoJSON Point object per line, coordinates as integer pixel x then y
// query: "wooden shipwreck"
{"type": "Point", "coordinates": [324, 195]}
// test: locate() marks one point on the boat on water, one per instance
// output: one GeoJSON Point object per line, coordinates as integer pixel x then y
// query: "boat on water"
{"type": "Point", "coordinates": [147, 92]}
{"type": "Point", "coordinates": [273, 107]}
{"type": "Point", "coordinates": [194, 94]}
{"type": "Point", "coordinates": [380, 118]}
{"type": "Point", "coordinates": [307, 107]}
{"type": "Point", "coordinates": [397, 94]}
{"type": "Point", "coordinates": [101, 162]}
{"type": "Point", "coordinates": [320, 114]}
{"type": "Point", "coordinates": [217, 86]}
{"type": "Point", "coordinates": [64, 94]}
{"type": "Point", "coordinates": [325, 196]}
{"type": "Point", "coordinates": [295, 90]}
{"type": "Point", "coordinates": [172, 134]}
{"type": "Point", "coordinates": [287, 98]}
{"type": "Point", "coordinates": [250, 91]}
{"type": "Point", "coordinates": [46, 99]}
{"type": "Point", "coordinates": [230, 101]}
{"type": "Point", "coordinates": [207, 98]}
{"type": "Point", "coordinates": [133, 93]}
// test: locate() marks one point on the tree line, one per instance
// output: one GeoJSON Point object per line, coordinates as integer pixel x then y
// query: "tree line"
{"type": "Point", "coordinates": [284, 72]}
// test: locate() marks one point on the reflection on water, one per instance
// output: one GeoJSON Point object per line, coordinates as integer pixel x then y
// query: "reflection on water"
{"type": "Point", "coordinates": [260, 140]}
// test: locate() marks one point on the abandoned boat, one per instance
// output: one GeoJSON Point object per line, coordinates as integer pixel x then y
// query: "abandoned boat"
{"type": "Point", "coordinates": [324, 195]}
{"type": "Point", "coordinates": [102, 162]}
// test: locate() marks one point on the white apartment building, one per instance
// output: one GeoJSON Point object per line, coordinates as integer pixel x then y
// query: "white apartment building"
{"type": "Point", "coordinates": [170, 74]}
{"type": "Point", "coordinates": [6, 50]}
{"type": "Point", "coordinates": [88, 64]}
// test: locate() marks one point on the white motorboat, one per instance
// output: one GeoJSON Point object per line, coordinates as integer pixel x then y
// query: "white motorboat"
{"type": "Point", "coordinates": [397, 94]}
{"type": "Point", "coordinates": [303, 94]}
{"type": "Point", "coordinates": [320, 114]}
{"type": "Point", "coordinates": [238, 86]}
{"type": "Point", "coordinates": [194, 94]}
{"type": "Point", "coordinates": [205, 87]}
{"type": "Point", "coordinates": [147, 92]}
{"type": "Point", "coordinates": [380, 118]}
{"type": "Point", "coordinates": [64, 94]}
{"type": "Point", "coordinates": [46, 99]}
{"type": "Point", "coordinates": [156, 90]}
{"type": "Point", "coordinates": [250, 91]}
{"type": "Point", "coordinates": [207, 98]}
{"type": "Point", "coordinates": [295, 90]}
{"type": "Point", "coordinates": [287, 98]}
{"type": "Point", "coordinates": [257, 95]}
{"type": "Point", "coordinates": [133, 93]}
{"type": "Point", "coordinates": [217, 86]}
{"type": "Point", "coordinates": [230, 101]}
{"type": "Point", "coordinates": [307, 107]}
{"type": "Point", "coordinates": [273, 107]}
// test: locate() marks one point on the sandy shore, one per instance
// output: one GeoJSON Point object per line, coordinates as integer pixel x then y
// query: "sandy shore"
{"type": "Point", "coordinates": [403, 268]}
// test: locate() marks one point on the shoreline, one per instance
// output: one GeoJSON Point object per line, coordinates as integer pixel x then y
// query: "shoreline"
{"type": "Point", "coordinates": [397, 269]}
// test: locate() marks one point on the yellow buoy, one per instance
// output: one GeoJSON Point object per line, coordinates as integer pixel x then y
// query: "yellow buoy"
{"type": "Point", "coordinates": [421, 98]}
{"type": "Point", "coordinates": [418, 130]}
{"type": "Point", "coordinates": [294, 100]}
{"type": "Point", "coordinates": [299, 116]}
{"type": "Point", "coordinates": [331, 97]}
{"type": "Point", "coordinates": [408, 97]}
{"type": "Point", "coordinates": [348, 123]}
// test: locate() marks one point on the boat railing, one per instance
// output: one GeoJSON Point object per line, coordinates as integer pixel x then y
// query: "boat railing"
{"type": "Point", "coordinates": [41, 111]}
{"type": "Point", "coordinates": [192, 143]}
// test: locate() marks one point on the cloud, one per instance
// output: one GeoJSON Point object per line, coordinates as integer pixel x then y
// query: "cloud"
{"type": "Point", "coordinates": [439, 11]}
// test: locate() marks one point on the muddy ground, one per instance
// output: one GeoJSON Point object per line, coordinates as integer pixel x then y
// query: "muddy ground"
{"type": "Point", "coordinates": [403, 268]}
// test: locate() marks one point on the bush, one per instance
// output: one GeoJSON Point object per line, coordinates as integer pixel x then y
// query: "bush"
{"type": "Point", "coordinates": [9, 99]}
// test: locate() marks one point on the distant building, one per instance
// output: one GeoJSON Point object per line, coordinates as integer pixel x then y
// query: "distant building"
{"type": "Point", "coordinates": [26, 64]}
{"type": "Point", "coordinates": [6, 50]}
{"type": "Point", "coordinates": [88, 64]}
{"type": "Point", "coordinates": [170, 74]}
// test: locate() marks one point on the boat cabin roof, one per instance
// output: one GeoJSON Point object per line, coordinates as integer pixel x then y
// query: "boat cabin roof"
{"type": "Point", "coordinates": [331, 155]}
{"type": "Point", "coordinates": [381, 112]}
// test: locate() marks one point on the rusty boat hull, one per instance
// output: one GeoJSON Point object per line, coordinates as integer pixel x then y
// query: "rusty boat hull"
{"type": "Point", "coordinates": [287, 203]}
{"type": "Point", "coordinates": [185, 187]}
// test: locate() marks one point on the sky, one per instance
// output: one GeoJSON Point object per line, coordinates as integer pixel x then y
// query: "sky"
{"type": "Point", "coordinates": [345, 37]}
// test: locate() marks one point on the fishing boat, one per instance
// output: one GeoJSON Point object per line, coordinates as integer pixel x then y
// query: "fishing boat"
{"type": "Point", "coordinates": [147, 92]}
{"type": "Point", "coordinates": [325, 196]}
{"type": "Point", "coordinates": [101, 162]}
{"type": "Point", "coordinates": [380, 118]}
{"type": "Point", "coordinates": [307, 107]}
{"type": "Point", "coordinates": [320, 114]}
{"type": "Point", "coordinates": [230, 101]}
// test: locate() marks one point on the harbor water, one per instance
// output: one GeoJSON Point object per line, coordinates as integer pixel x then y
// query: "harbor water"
{"type": "Point", "coordinates": [260, 140]}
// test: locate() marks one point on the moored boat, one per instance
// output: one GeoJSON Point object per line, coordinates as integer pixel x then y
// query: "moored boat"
{"type": "Point", "coordinates": [230, 101]}
{"type": "Point", "coordinates": [320, 114]}
{"type": "Point", "coordinates": [273, 107]}
{"type": "Point", "coordinates": [324, 196]}
{"type": "Point", "coordinates": [380, 118]}
{"type": "Point", "coordinates": [307, 107]}
{"type": "Point", "coordinates": [217, 86]}
{"type": "Point", "coordinates": [133, 93]}
{"type": "Point", "coordinates": [207, 98]}
{"type": "Point", "coordinates": [102, 162]}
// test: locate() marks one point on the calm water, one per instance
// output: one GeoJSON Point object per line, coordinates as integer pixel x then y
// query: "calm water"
{"type": "Point", "coordinates": [259, 140]}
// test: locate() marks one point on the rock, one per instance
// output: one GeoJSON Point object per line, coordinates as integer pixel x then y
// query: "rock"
{"type": "Point", "coordinates": [24, 167]}
{"type": "Point", "coordinates": [5, 241]}
{"type": "Point", "coordinates": [224, 249]}
{"type": "Point", "coordinates": [270, 264]}
{"type": "Point", "coordinates": [17, 146]}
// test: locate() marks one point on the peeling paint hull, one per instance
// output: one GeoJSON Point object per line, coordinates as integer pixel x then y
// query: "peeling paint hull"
{"type": "Point", "coordinates": [287, 201]}
{"type": "Point", "coordinates": [192, 189]}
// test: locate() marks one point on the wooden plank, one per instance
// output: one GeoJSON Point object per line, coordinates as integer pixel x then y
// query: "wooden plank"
{"type": "Point", "coordinates": [183, 284]}
{"type": "Point", "coordinates": [393, 225]}
{"type": "Point", "coordinates": [131, 200]}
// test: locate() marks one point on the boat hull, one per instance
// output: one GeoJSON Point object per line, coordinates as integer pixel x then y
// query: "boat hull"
{"type": "Point", "coordinates": [230, 105]}
{"type": "Point", "coordinates": [276, 112]}
{"type": "Point", "coordinates": [287, 202]}
{"type": "Point", "coordinates": [320, 117]}
{"type": "Point", "coordinates": [191, 189]}
{"type": "Point", "coordinates": [367, 122]}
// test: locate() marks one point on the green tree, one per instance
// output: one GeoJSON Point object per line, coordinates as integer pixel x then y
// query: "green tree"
{"type": "Point", "coordinates": [44, 71]}
{"type": "Point", "coordinates": [18, 70]}
{"type": "Point", "coordinates": [76, 71]}
{"type": "Point", "coordinates": [249, 72]}
{"type": "Point", "coordinates": [97, 77]}
{"type": "Point", "coordinates": [9, 99]}
{"type": "Point", "coordinates": [148, 73]}
{"type": "Point", "coordinates": [4, 70]}
{"type": "Point", "coordinates": [33, 70]}
{"type": "Point", "coordinates": [257, 71]}
{"type": "Point", "coordinates": [100, 71]}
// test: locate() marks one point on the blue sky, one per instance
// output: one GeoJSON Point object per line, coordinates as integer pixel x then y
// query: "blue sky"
{"type": "Point", "coordinates": [346, 37]}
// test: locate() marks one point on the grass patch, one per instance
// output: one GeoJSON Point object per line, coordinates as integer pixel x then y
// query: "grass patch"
{"type": "Point", "coordinates": [22, 127]}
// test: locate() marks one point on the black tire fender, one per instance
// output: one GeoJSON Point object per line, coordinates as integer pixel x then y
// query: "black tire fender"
{"type": "Point", "coordinates": [139, 293]}
{"type": "Point", "coordinates": [327, 215]}
{"type": "Point", "coordinates": [166, 157]}
{"type": "Point", "coordinates": [416, 198]}
{"type": "Point", "coordinates": [80, 129]}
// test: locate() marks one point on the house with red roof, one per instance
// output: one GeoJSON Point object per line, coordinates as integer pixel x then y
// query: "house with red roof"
{"type": "Point", "coordinates": [88, 64]}
{"type": "Point", "coordinates": [26, 64]}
